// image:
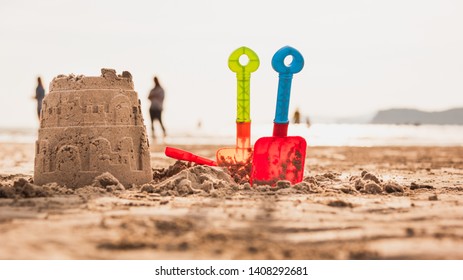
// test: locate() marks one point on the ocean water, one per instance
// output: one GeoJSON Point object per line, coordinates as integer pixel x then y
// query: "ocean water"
{"type": "Point", "coordinates": [316, 135]}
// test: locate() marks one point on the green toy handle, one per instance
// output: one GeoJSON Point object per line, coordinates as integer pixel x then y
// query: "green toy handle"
{"type": "Point", "coordinates": [243, 76]}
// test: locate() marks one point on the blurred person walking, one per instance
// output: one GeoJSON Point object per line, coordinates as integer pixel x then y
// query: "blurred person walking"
{"type": "Point", "coordinates": [297, 116]}
{"type": "Point", "coordinates": [39, 95]}
{"type": "Point", "coordinates": [156, 97]}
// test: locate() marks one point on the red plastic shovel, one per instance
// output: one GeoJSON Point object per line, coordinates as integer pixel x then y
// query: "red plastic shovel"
{"type": "Point", "coordinates": [238, 159]}
{"type": "Point", "coordinates": [187, 156]}
{"type": "Point", "coordinates": [281, 157]}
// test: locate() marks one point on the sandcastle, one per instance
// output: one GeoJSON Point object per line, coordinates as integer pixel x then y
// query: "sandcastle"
{"type": "Point", "coordinates": [92, 125]}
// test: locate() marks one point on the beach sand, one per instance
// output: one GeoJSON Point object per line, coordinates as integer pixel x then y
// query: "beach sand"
{"type": "Point", "coordinates": [354, 203]}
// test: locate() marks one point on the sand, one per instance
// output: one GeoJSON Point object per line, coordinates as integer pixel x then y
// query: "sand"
{"type": "Point", "coordinates": [90, 125]}
{"type": "Point", "coordinates": [354, 203]}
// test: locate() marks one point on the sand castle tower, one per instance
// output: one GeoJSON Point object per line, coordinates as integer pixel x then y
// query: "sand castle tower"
{"type": "Point", "coordinates": [91, 125]}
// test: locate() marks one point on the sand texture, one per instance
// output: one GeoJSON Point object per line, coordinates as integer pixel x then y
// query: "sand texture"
{"type": "Point", "coordinates": [92, 125]}
{"type": "Point", "coordinates": [354, 203]}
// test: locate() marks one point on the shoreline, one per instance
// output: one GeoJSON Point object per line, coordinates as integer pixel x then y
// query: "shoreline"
{"type": "Point", "coordinates": [318, 135]}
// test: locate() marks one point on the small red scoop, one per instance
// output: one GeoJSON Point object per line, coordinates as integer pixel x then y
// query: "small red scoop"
{"type": "Point", "coordinates": [187, 156]}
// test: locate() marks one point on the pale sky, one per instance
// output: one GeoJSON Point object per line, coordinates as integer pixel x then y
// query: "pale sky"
{"type": "Point", "coordinates": [360, 56]}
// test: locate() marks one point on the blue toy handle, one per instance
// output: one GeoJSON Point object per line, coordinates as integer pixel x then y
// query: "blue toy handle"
{"type": "Point", "coordinates": [285, 78]}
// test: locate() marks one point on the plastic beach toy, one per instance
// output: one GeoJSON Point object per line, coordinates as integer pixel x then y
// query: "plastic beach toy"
{"type": "Point", "coordinates": [187, 156]}
{"type": "Point", "coordinates": [238, 159]}
{"type": "Point", "coordinates": [281, 157]}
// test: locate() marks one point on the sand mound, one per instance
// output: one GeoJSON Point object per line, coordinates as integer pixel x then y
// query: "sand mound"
{"type": "Point", "coordinates": [109, 182]}
{"type": "Point", "coordinates": [22, 186]}
{"type": "Point", "coordinates": [181, 180]}
{"type": "Point", "coordinates": [162, 174]}
{"type": "Point", "coordinates": [194, 180]}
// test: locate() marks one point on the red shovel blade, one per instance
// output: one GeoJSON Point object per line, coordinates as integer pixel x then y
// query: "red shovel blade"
{"type": "Point", "coordinates": [278, 158]}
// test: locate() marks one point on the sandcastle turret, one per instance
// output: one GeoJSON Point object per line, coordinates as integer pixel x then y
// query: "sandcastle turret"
{"type": "Point", "coordinates": [91, 125]}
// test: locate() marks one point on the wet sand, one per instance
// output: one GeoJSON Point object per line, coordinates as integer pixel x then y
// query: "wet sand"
{"type": "Point", "coordinates": [354, 203]}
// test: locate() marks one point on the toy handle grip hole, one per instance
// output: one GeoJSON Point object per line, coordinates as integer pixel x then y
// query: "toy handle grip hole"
{"type": "Point", "coordinates": [244, 59]}
{"type": "Point", "coordinates": [288, 60]}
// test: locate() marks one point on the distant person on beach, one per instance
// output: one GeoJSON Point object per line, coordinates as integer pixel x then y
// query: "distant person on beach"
{"type": "Point", "coordinates": [297, 116]}
{"type": "Point", "coordinates": [307, 121]}
{"type": "Point", "coordinates": [156, 97]}
{"type": "Point", "coordinates": [39, 95]}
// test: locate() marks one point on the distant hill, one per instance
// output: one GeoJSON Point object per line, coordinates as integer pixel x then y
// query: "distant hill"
{"type": "Point", "coordinates": [412, 116]}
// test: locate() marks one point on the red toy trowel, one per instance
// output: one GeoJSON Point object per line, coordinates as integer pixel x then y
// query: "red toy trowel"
{"type": "Point", "coordinates": [238, 159]}
{"type": "Point", "coordinates": [187, 156]}
{"type": "Point", "coordinates": [281, 157]}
